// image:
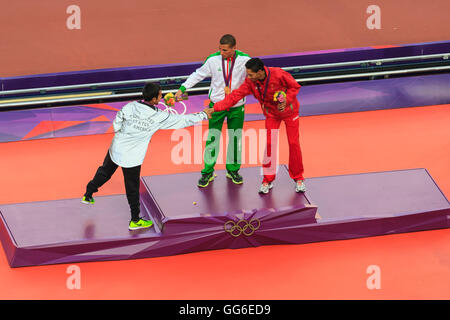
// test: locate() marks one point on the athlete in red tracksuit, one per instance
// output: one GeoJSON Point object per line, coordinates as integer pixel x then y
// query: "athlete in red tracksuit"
{"type": "Point", "coordinates": [263, 82]}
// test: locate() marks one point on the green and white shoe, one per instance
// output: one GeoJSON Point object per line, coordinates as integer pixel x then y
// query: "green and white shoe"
{"type": "Point", "coordinates": [141, 224]}
{"type": "Point", "coordinates": [87, 200]}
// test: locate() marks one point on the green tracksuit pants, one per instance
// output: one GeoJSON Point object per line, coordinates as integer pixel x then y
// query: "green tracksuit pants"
{"type": "Point", "coordinates": [235, 122]}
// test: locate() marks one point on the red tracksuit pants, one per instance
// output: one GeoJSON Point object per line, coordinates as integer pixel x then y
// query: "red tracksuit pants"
{"type": "Point", "coordinates": [295, 154]}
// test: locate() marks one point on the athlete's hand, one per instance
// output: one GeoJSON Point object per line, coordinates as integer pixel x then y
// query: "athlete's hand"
{"type": "Point", "coordinates": [178, 95]}
{"type": "Point", "coordinates": [282, 106]}
{"type": "Point", "coordinates": [209, 112]}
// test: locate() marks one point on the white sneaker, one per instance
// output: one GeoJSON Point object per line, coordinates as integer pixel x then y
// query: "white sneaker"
{"type": "Point", "coordinates": [265, 187]}
{"type": "Point", "coordinates": [300, 186]}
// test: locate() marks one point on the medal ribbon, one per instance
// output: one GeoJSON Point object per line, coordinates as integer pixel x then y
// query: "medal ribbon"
{"type": "Point", "coordinates": [263, 97]}
{"type": "Point", "coordinates": [227, 76]}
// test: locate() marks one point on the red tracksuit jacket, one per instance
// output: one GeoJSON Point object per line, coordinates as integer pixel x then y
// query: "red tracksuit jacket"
{"type": "Point", "coordinates": [279, 80]}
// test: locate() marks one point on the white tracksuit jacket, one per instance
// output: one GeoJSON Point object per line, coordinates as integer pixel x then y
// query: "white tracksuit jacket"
{"type": "Point", "coordinates": [212, 67]}
{"type": "Point", "coordinates": [135, 125]}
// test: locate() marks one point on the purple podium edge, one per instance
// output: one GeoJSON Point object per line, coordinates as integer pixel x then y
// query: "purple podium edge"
{"type": "Point", "coordinates": [307, 233]}
{"type": "Point", "coordinates": [310, 233]}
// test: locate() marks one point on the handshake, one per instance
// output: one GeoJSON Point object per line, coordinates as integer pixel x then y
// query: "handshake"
{"type": "Point", "coordinates": [209, 112]}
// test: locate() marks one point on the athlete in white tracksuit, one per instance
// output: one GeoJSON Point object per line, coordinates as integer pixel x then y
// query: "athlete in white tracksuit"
{"type": "Point", "coordinates": [134, 127]}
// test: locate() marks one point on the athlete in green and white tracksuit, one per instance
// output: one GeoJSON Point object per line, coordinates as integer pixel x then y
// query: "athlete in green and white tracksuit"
{"type": "Point", "coordinates": [227, 71]}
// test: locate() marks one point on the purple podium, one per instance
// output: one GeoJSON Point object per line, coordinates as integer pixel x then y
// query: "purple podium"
{"type": "Point", "coordinates": [177, 205]}
{"type": "Point", "coordinates": [222, 216]}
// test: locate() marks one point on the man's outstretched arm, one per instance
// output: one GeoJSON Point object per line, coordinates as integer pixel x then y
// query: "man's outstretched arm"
{"type": "Point", "coordinates": [234, 97]}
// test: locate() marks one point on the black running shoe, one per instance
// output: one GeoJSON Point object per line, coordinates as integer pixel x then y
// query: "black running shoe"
{"type": "Point", "coordinates": [205, 179]}
{"type": "Point", "coordinates": [235, 177]}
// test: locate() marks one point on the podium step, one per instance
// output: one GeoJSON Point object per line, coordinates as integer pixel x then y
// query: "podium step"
{"type": "Point", "coordinates": [177, 205]}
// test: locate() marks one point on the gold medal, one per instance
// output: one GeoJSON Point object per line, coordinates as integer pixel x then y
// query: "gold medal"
{"type": "Point", "coordinates": [227, 90]}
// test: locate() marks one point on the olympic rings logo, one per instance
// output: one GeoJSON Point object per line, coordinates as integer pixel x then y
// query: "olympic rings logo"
{"type": "Point", "coordinates": [243, 226]}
